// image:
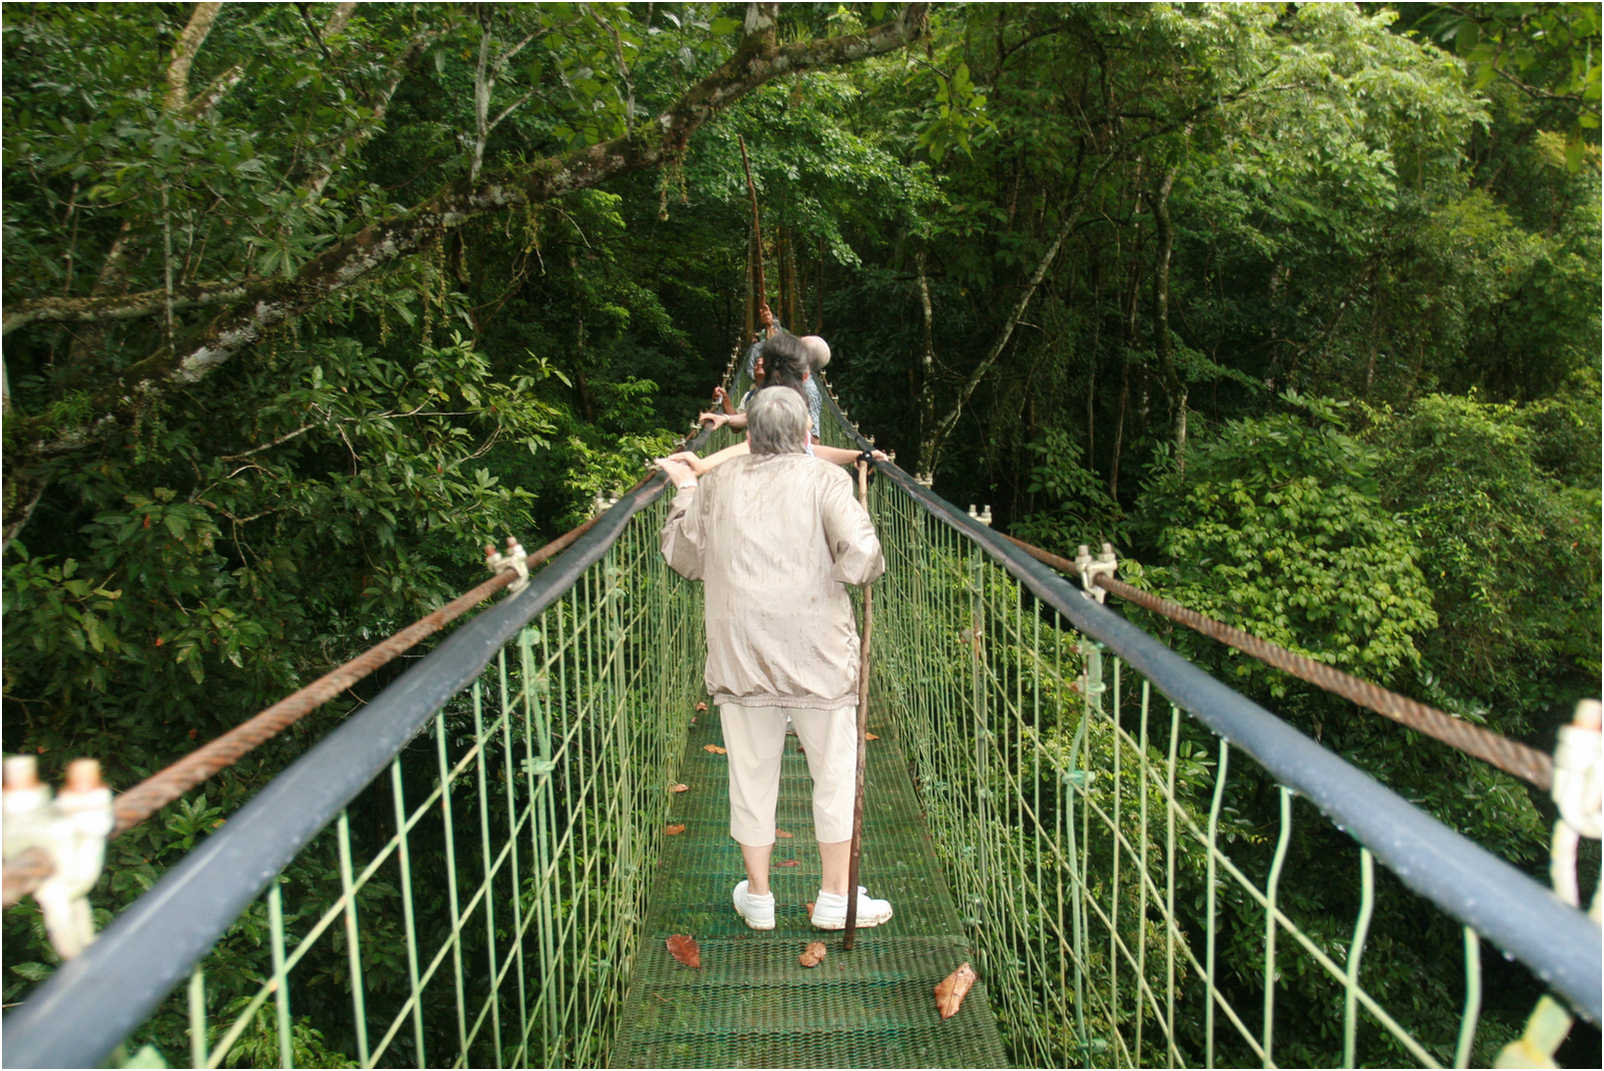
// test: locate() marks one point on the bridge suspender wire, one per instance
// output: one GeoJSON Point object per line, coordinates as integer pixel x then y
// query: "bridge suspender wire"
{"type": "Point", "coordinates": [1514, 758]}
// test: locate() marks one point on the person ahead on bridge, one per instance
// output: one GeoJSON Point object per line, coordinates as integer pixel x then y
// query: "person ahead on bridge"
{"type": "Point", "coordinates": [760, 369]}
{"type": "Point", "coordinates": [791, 362]}
{"type": "Point", "coordinates": [775, 537]}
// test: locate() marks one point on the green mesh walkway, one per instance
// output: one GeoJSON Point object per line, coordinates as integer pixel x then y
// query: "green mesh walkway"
{"type": "Point", "coordinates": [751, 1004]}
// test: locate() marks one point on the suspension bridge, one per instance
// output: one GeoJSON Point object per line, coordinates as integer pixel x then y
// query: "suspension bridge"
{"type": "Point", "coordinates": [483, 866]}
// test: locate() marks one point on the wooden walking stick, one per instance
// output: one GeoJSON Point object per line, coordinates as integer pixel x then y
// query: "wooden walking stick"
{"type": "Point", "coordinates": [863, 730]}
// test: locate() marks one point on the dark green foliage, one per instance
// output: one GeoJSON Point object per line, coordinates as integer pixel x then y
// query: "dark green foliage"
{"type": "Point", "coordinates": [1505, 548]}
{"type": "Point", "coordinates": [1298, 306]}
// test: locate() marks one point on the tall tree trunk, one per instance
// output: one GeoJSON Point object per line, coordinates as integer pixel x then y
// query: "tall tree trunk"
{"type": "Point", "coordinates": [795, 307]}
{"type": "Point", "coordinates": [1129, 303]}
{"type": "Point", "coordinates": [930, 448]}
{"type": "Point", "coordinates": [189, 43]}
{"type": "Point", "coordinates": [927, 363]}
{"type": "Point", "coordinates": [818, 315]}
{"type": "Point", "coordinates": [1095, 351]}
{"type": "Point", "coordinates": [1119, 422]}
{"type": "Point", "coordinates": [1163, 346]}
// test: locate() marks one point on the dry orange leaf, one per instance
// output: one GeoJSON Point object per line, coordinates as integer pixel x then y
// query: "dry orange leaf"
{"type": "Point", "coordinates": [684, 948]}
{"type": "Point", "coordinates": [674, 831]}
{"type": "Point", "coordinates": [715, 749]}
{"type": "Point", "coordinates": [783, 833]}
{"type": "Point", "coordinates": [813, 955]}
{"type": "Point", "coordinates": [679, 788]}
{"type": "Point", "coordinates": [952, 990]}
{"type": "Point", "coordinates": [870, 736]}
{"type": "Point", "coordinates": [788, 862]}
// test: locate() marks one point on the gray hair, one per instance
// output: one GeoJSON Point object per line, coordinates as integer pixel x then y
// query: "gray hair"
{"type": "Point", "coordinates": [777, 421]}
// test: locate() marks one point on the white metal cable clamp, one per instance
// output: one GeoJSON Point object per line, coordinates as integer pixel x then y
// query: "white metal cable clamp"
{"type": "Point", "coordinates": [1091, 568]}
{"type": "Point", "coordinates": [1579, 770]}
{"type": "Point", "coordinates": [1578, 763]}
{"type": "Point", "coordinates": [71, 831]}
{"type": "Point", "coordinates": [515, 559]}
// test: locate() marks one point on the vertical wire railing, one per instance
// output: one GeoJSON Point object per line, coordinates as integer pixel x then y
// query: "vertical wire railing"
{"type": "Point", "coordinates": [1151, 890]}
{"type": "Point", "coordinates": [518, 860]}
{"type": "Point", "coordinates": [475, 900]}
{"type": "Point", "coordinates": [1132, 883]}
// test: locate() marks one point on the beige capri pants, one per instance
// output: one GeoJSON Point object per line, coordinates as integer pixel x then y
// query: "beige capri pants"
{"type": "Point", "coordinates": [755, 738]}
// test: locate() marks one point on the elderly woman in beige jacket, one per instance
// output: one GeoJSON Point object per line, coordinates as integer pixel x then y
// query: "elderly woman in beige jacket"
{"type": "Point", "coordinates": [775, 537]}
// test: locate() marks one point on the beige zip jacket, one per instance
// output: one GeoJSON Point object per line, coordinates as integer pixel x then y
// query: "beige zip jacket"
{"type": "Point", "coordinates": [775, 539]}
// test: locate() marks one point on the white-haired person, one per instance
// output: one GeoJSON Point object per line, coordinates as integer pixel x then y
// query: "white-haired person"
{"type": "Point", "coordinates": [775, 537]}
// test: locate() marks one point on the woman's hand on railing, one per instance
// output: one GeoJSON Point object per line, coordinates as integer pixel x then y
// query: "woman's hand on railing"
{"type": "Point", "coordinates": [695, 462]}
{"type": "Point", "coordinates": [681, 473]}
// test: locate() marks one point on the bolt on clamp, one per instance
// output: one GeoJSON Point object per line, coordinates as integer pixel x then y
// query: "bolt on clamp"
{"type": "Point", "coordinates": [515, 559]}
{"type": "Point", "coordinates": [1091, 568]}
{"type": "Point", "coordinates": [71, 832]}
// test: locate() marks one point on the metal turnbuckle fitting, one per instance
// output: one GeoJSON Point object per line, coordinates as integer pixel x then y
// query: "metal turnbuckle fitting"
{"type": "Point", "coordinates": [1091, 568]}
{"type": "Point", "coordinates": [515, 559]}
{"type": "Point", "coordinates": [1579, 771]}
{"type": "Point", "coordinates": [71, 831]}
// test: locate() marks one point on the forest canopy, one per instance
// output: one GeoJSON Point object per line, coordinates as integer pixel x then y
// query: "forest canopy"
{"type": "Point", "coordinates": [1298, 305]}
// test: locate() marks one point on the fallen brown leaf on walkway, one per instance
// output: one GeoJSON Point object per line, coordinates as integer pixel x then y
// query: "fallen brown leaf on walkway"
{"type": "Point", "coordinates": [870, 736]}
{"type": "Point", "coordinates": [674, 831]}
{"type": "Point", "coordinates": [789, 862]}
{"type": "Point", "coordinates": [679, 788]}
{"type": "Point", "coordinates": [715, 749]}
{"type": "Point", "coordinates": [813, 955]}
{"type": "Point", "coordinates": [783, 833]}
{"type": "Point", "coordinates": [952, 990]}
{"type": "Point", "coordinates": [685, 949]}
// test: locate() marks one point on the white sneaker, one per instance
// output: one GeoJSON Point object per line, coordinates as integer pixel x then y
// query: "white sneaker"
{"type": "Point", "coordinates": [758, 911]}
{"type": "Point", "coordinates": [830, 910]}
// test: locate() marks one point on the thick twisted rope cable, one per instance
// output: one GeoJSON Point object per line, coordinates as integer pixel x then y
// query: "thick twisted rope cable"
{"type": "Point", "coordinates": [1514, 758]}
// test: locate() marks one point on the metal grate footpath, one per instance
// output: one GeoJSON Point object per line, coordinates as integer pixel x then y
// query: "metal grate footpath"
{"type": "Point", "coordinates": [751, 1004]}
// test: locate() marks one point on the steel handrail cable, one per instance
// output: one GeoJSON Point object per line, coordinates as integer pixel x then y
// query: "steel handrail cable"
{"type": "Point", "coordinates": [1508, 755]}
